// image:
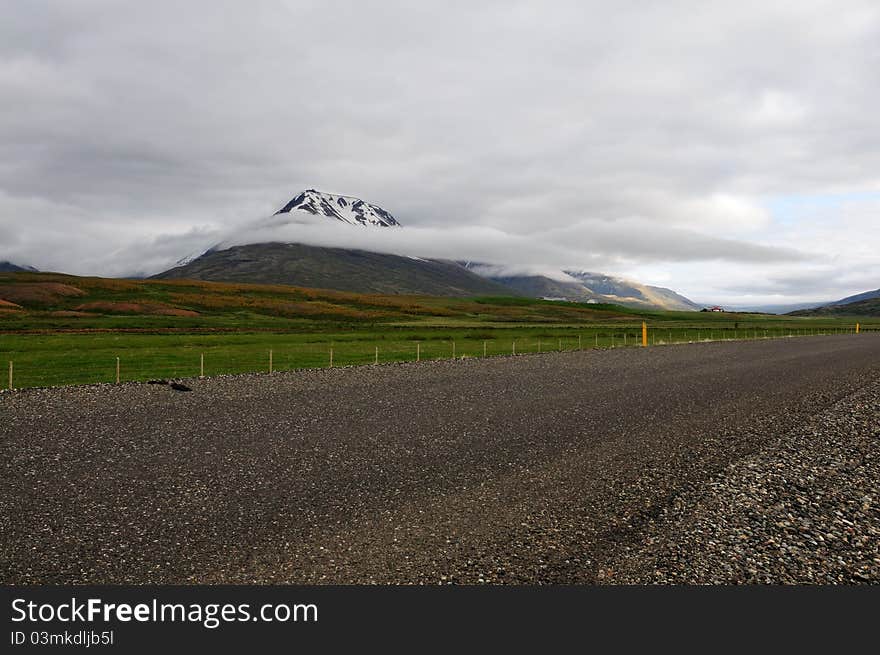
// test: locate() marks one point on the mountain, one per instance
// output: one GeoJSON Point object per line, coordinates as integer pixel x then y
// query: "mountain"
{"type": "Point", "coordinates": [586, 286]}
{"type": "Point", "coordinates": [861, 304]}
{"type": "Point", "coordinates": [867, 295]}
{"type": "Point", "coordinates": [628, 292]}
{"type": "Point", "coordinates": [9, 267]}
{"type": "Point", "coordinates": [344, 269]}
{"type": "Point", "coordinates": [336, 268]}
{"type": "Point", "coordinates": [868, 307]}
{"type": "Point", "coordinates": [361, 271]}
{"type": "Point", "coordinates": [343, 208]}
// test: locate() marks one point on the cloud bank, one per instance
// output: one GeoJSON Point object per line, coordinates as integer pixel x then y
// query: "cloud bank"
{"type": "Point", "coordinates": [727, 151]}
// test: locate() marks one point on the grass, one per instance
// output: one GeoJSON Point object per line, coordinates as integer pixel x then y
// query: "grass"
{"type": "Point", "coordinates": [58, 336]}
{"type": "Point", "coordinates": [58, 359]}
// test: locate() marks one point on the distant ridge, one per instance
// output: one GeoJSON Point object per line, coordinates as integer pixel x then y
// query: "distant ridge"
{"type": "Point", "coordinates": [867, 295]}
{"type": "Point", "coordinates": [9, 267]}
{"type": "Point", "coordinates": [861, 304]}
{"type": "Point", "coordinates": [586, 286]}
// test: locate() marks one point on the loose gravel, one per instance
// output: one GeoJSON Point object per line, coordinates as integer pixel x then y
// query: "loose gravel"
{"type": "Point", "coordinates": [716, 462]}
{"type": "Point", "coordinates": [805, 509]}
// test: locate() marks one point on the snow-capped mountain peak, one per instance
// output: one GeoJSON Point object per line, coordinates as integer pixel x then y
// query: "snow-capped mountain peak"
{"type": "Point", "coordinates": [343, 208]}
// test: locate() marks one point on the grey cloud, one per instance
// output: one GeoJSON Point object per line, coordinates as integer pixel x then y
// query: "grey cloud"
{"type": "Point", "coordinates": [612, 134]}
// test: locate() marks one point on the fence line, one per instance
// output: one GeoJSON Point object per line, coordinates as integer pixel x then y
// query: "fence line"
{"type": "Point", "coordinates": [233, 360]}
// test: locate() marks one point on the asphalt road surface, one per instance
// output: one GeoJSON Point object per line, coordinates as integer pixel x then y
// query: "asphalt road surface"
{"type": "Point", "coordinates": [555, 468]}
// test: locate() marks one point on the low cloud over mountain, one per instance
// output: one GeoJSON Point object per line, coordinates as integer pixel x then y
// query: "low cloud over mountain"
{"type": "Point", "coordinates": [710, 149]}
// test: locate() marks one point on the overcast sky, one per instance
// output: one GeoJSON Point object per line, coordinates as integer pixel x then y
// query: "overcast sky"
{"type": "Point", "coordinates": [729, 150]}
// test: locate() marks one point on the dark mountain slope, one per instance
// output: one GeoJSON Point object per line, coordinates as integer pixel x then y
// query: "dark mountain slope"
{"type": "Point", "coordinates": [336, 268]}
{"type": "Point", "coordinates": [868, 307]}
{"type": "Point", "coordinates": [9, 267]}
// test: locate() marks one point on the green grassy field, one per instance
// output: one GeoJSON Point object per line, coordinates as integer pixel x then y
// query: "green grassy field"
{"type": "Point", "coordinates": [59, 330]}
{"type": "Point", "coordinates": [57, 359]}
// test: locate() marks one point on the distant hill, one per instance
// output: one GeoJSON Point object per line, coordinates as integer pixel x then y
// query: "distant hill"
{"type": "Point", "coordinates": [868, 307]}
{"type": "Point", "coordinates": [861, 304]}
{"type": "Point", "coordinates": [867, 295]}
{"type": "Point", "coordinates": [594, 287]}
{"type": "Point", "coordinates": [9, 267]}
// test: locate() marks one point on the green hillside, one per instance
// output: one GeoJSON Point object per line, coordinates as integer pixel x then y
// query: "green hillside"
{"type": "Point", "coordinates": [53, 301]}
{"type": "Point", "coordinates": [61, 329]}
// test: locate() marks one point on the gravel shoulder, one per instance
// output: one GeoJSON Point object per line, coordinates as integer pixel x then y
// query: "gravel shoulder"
{"type": "Point", "coordinates": [803, 510]}
{"type": "Point", "coordinates": [716, 462]}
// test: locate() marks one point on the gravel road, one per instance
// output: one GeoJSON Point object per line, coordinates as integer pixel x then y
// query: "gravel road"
{"type": "Point", "coordinates": [715, 462]}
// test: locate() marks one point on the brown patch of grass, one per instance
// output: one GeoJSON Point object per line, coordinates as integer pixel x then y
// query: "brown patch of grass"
{"type": "Point", "coordinates": [67, 313]}
{"type": "Point", "coordinates": [38, 293]}
{"type": "Point", "coordinates": [406, 303]}
{"type": "Point", "coordinates": [134, 308]}
{"type": "Point", "coordinates": [276, 306]}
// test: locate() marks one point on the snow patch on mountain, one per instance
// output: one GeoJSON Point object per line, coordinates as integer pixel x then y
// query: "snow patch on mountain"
{"type": "Point", "coordinates": [183, 261]}
{"type": "Point", "coordinates": [343, 208]}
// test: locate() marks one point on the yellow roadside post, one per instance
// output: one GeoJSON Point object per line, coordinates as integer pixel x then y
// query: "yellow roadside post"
{"type": "Point", "coordinates": [858, 327]}
{"type": "Point", "coordinates": [644, 333]}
